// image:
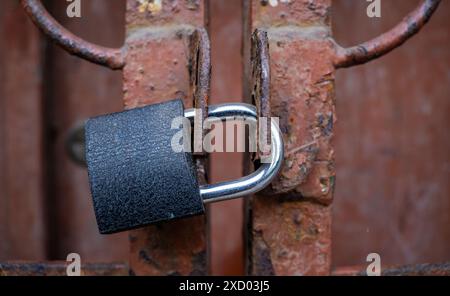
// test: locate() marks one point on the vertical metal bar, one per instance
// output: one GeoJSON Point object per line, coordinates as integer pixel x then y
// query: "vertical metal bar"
{"type": "Point", "coordinates": [22, 215]}
{"type": "Point", "coordinates": [226, 217]}
{"type": "Point", "coordinates": [75, 90]}
{"type": "Point", "coordinates": [290, 233]}
{"type": "Point", "coordinates": [158, 68]}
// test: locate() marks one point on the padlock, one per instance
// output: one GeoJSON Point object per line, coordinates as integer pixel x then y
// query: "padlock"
{"type": "Point", "coordinates": [136, 177]}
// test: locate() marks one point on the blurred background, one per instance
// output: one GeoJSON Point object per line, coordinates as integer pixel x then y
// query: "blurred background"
{"type": "Point", "coordinates": [392, 146]}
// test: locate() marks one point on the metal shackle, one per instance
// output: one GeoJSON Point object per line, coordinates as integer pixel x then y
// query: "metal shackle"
{"type": "Point", "coordinates": [257, 180]}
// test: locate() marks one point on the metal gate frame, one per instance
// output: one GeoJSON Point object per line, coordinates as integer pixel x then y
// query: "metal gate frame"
{"type": "Point", "coordinates": [168, 55]}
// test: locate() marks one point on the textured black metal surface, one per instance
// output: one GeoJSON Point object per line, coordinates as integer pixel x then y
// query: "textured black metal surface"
{"type": "Point", "coordinates": [135, 177]}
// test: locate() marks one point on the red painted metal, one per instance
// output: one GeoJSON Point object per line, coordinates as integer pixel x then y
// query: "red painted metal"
{"type": "Point", "coordinates": [392, 143]}
{"type": "Point", "coordinates": [22, 191]}
{"type": "Point", "coordinates": [289, 233]}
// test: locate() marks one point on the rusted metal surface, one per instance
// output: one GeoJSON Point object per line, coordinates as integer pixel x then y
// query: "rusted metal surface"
{"type": "Point", "coordinates": [112, 58]}
{"type": "Point", "coordinates": [261, 80]}
{"type": "Point", "coordinates": [290, 13]}
{"type": "Point", "coordinates": [392, 144]}
{"type": "Point", "coordinates": [158, 69]}
{"type": "Point", "coordinates": [290, 234]}
{"type": "Point", "coordinates": [75, 90]}
{"type": "Point", "coordinates": [200, 76]}
{"type": "Point", "coordinates": [22, 192]}
{"type": "Point", "coordinates": [375, 48]}
{"type": "Point", "coordinates": [441, 269]}
{"type": "Point", "coordinates": [149, 13]}
{"type": "Point", "coordinates": [60, 269]}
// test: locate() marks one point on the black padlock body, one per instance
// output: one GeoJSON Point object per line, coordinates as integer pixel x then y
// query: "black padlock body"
{"type": "Point", "coordinates": [136, 178]}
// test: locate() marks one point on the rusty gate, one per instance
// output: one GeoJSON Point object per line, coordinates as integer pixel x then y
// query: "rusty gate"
{"type": "Point", "coordinates": [389, 159]}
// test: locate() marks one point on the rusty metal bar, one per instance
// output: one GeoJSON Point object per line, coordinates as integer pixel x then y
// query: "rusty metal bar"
{"type": "Point", "coordinates": [290, 233]}
{"type": "Point", "coordinates": [381, 45]}
{"type": "Point", "coordinates": [261, 81]}
{"type": "Point", "coordinates": [168, 57]}
{"type": "Point", "coordinates": [200, 69]}
{"type": "Point", "coordinates": [59, 269]}
{"type": "Point", "coordinates": [109, 57]}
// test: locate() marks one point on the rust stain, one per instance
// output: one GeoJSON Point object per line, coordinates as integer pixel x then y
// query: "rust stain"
{"type": "Point", "coordinates": [290, 237]}
{"type": "Point", "coordinates": [302, 96]}
{"type": "Point", "coordinates": [168, 58]}
{"type": "Point", "coordinates": [290, 222]}
{"type": "Point", "coordinates": [200, 79]}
